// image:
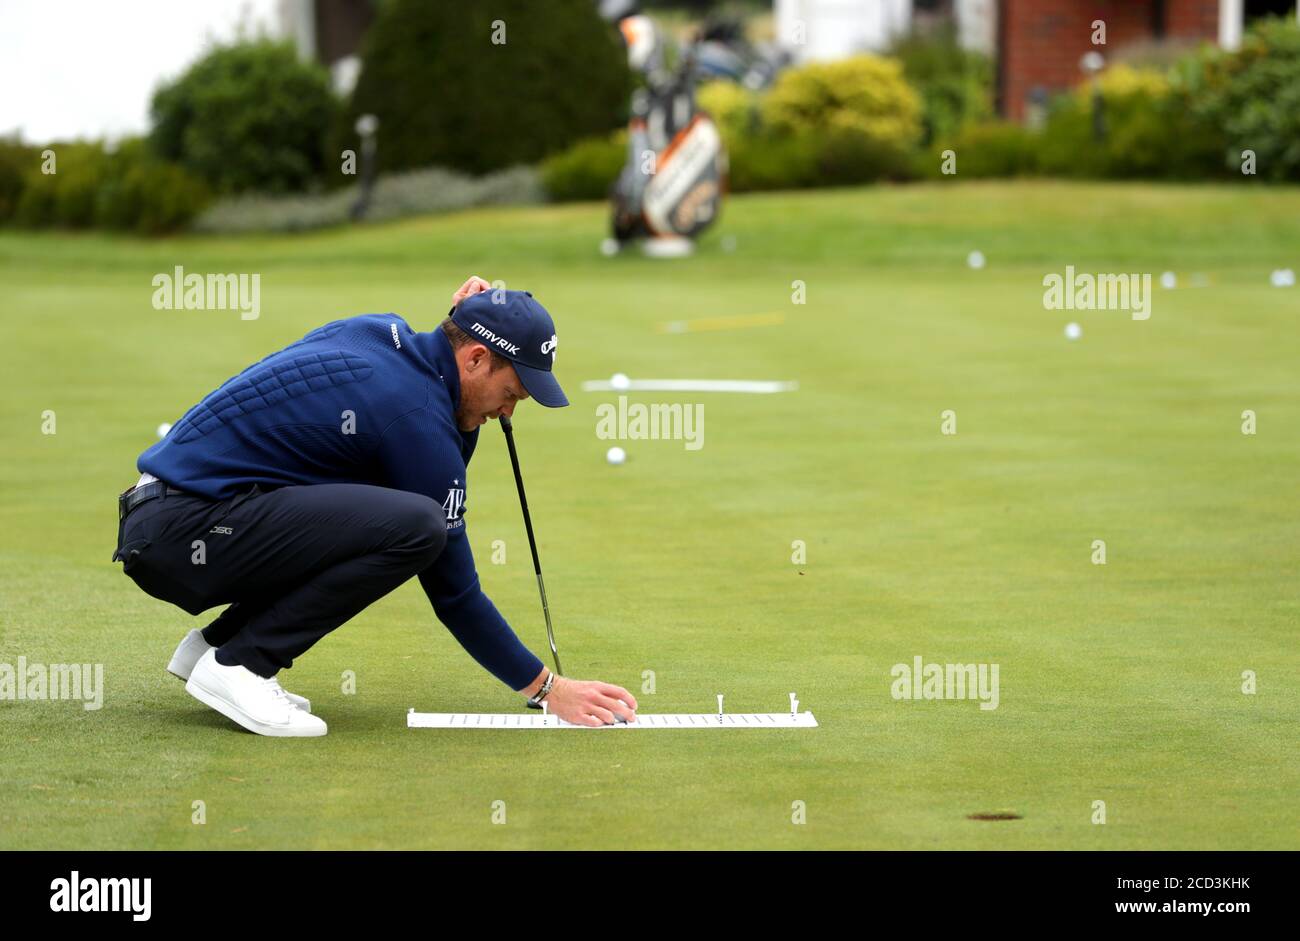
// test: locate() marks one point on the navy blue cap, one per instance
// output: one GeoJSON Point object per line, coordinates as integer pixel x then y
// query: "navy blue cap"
{"type": "Point", "coordinates": [513, 324]}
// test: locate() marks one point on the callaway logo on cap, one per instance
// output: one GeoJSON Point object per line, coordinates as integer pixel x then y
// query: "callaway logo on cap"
{"type": "Point", "coordinates": [513, 324]}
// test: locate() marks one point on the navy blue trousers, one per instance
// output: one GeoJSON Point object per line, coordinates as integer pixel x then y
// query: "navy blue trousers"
{"type": "Point", "coordinates": [293, 563]}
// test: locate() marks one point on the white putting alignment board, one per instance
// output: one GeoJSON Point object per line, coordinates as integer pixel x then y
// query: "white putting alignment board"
{"type": "Point", "coordinates": [511, 720]}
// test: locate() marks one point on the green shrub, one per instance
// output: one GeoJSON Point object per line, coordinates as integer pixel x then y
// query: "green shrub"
{"type": "Point", "coordinates": [147, 196]}
{"type": "Point", "coordinates": [586, 170]}
{"type": "Point", "coordinates": [249, 115]}
{"type": "Point", "coordinates": [1251, 98]}
{"type": "Point", "coordinates": [1149, 132]}
{"type": "Point", "coordinates": [956, 84]}
{"type": "Point", "coordinates": [36, 202]}
{"type": "Point", "coordinates": [996, 149]}
{"type": "Point", "coordinates": [771, 162]}
{"type": "Point", "coordinates": [17, 162]}
{"type": "Point", "coordinates": [447, 95]}
{"type": "Point", "coordinates": [128, 189]}
{"type": "Point", "coordinates": [65, 198]}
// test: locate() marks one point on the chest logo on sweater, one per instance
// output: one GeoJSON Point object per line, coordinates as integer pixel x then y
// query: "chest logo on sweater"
{"type": "Point", "coordinates": [451, 507]}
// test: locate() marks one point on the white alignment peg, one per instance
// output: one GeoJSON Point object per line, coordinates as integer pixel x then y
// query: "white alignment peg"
{"type": "Point", "coordinates": [719, 707]}
{"type": "Point", "coordinates": [794, 707]}
{"type": "Point", "coordinates": [544, 712]}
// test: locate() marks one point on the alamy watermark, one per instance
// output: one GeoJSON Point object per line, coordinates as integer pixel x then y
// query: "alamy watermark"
{"type": "Point", "coordinates": [77, 894]}
{"type": "Point", "coordinates": [658, 421]}
{"type": "Point", "coordinates": [180, 291]}
{"type": "Point", "coordinates": [919, 680]}
{"type": "Point", "coordinates": [37, 681]}
{"type": "Point", "coordinates": [1071, 291]}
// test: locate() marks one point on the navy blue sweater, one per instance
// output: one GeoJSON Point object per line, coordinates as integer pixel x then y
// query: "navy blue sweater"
{"type": "Point", "coordinates": [281, 422]}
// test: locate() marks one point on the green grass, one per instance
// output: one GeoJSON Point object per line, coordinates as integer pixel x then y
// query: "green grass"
{"type": "Point", "coordinates": [1118, 683]}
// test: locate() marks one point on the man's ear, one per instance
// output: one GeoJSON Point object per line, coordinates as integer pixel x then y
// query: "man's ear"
{"type": "Point", "coordinates": [477, 354]}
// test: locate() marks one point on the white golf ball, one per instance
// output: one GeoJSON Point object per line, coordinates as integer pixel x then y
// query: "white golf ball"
{"type": "Point", "coordinates": [163, 429]}
{"type": "Point", "coordinates": [1073, 331]}
{"type": "Point", "coordinates": [620, 382]}
{"type": "Point", "coordinates": [1169, 280]}
{"type": "Point", "coordinates": [616, 455]}
{"type": "Point", "coordinates": [1282, 278]}
{"type": "Point", "coordinates": [975, 260]}
{"type": "Point", "coordinates": [609, 247]}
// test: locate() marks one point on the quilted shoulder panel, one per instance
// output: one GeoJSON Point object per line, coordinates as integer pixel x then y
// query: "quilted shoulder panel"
{"type": "Point", "coordinates": [269, 383]}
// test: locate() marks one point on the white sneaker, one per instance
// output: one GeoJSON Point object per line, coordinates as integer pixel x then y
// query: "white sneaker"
{"type": "Point", "coordinates": [257, 703]}
{"type": "Point", "coordinates": [193, 646]}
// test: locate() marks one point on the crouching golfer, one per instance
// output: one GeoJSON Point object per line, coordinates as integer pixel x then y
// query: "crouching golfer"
{"type": "Point", "coordinates": [322, 477]}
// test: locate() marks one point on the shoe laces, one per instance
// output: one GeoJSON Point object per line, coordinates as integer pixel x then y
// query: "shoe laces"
{"type": "Point", "coordinates": [272, 686]}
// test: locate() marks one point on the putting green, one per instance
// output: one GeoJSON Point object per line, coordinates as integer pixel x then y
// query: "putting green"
{"type": "Point", "coordinates": [1119, 683]}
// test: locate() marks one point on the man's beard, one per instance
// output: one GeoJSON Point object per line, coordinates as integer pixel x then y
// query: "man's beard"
{"type": "Point", "coordinates": [466, 418]}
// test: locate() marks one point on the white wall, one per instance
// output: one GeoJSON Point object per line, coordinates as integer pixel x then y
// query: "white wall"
{"type": "Point", "coordinates": [977, 25]}
{"type": "Point", "coordinates": [1231, 14]}
{"type": "Point", "coordinates": [819, 30]}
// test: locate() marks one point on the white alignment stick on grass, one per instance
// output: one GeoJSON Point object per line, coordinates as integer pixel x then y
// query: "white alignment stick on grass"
{"type": "Point", "coordinates": [660, 721]}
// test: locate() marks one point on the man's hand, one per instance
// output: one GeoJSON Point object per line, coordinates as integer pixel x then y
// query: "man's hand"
{"type": "Point", "coordinates": [474, 285]}
{"type": "Point", "coordinates": [590, 702]}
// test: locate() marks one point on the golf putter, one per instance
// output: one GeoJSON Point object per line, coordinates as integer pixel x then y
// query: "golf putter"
{"type": "Point", "coordinates": [532, 542]}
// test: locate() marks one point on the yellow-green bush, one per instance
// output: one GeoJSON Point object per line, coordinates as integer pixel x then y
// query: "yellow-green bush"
{"type": "Point", "coordinates": [1150, 133]}
{"type": "Point", "coordinates": [733, 107]}
{"type": "Point", "coordinates": [825, 124]}
{"type": "Point", "coordinates": [863, 95]}
{"type": "Point", "coordinates": [833, 123]}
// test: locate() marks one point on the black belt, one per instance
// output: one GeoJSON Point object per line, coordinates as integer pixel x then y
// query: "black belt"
{"type": "Point", "coordinates": [143, 493]}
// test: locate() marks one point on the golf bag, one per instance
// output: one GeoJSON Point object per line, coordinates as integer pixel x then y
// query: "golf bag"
{"type": "Point", "coordinates": [676, 169]}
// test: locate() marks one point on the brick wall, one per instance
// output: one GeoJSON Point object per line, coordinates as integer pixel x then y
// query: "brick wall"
{"type": "Point", "coordinates": [1198, 19]}
{"type": "Point", "coordinates": [1041, 41]}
